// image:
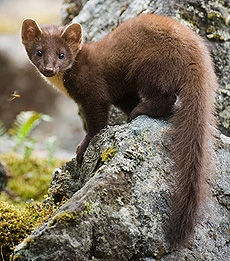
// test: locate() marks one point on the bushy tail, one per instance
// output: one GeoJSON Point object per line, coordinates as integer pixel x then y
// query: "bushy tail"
{"type": "Point", "coordinates": [192, 134]}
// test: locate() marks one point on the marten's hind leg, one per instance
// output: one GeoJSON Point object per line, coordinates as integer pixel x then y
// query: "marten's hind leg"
{"type": "Point", "coordinates": [159, 105]}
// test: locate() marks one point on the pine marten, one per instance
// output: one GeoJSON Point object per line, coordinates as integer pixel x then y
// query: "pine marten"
{"type": "Point", "coordinates": [142, 67]}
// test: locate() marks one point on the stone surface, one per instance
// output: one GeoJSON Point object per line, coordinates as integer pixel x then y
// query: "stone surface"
{"type": "Point", "coordinates": [119, 204]}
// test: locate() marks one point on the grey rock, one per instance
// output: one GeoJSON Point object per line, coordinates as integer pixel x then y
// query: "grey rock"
{"type": "Point", "coordinates": [121, 203]}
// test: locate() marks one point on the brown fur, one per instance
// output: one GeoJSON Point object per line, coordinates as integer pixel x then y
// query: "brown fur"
{"type": "Point", "coordinates": [141, 67]}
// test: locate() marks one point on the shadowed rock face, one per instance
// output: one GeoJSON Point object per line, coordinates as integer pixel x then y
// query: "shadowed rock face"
{"type": "Point", "coordinates": [120, 202]}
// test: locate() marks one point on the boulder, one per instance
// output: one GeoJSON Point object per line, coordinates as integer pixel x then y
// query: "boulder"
{"type": "Point", "coordinates": [119, 202]}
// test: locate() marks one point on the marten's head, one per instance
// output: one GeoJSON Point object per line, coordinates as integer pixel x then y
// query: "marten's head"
{"type": "Point", "coordinates": [52, 49]}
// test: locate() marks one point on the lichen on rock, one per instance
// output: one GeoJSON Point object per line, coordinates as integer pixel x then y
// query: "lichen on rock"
{"type": "Point", "coordinates": [108, 154]}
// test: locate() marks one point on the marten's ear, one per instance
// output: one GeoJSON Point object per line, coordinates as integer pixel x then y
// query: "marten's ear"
{"type": "Point", "coordinates": [73, 35]}
{"type": "Point", "coordinates": [30, 30]}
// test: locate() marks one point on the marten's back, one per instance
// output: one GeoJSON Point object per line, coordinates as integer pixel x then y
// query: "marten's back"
{"type": "Point", "coordinates": [156, 32]}
{"type": "Point", "coordinates": [155, 46]}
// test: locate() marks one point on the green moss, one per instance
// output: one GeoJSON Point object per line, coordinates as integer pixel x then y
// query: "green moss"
{"type": "Point", "coordinates": [30, 178]}
{"type": "Point", "coordinates": [17, 223]}
{"type": "Point", "coordinates": [108, 154]}
{"type": "Point", "coordinates": [29, 241]}
{"type": "Point", "coordinates": [214, 19]}
{"type": "Point", "coordinates": [66, 217]}
{"type": "Point", "coordinates": [63, 217]}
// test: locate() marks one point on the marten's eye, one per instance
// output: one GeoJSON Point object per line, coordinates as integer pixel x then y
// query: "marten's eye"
{"type": "Point", "coordinates": [39, 53]}
{"type": "Point", "coordinates": [61, 55]}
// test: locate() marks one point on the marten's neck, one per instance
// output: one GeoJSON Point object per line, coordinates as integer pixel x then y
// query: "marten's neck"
{"type": "Point", "coordinates": [57, 82]}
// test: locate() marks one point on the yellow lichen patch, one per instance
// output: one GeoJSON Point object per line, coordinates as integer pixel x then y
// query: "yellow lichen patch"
{"type": "Point", "coordinates": [108, 154]}
{"type": "Point", "coordinates": [215, 15]}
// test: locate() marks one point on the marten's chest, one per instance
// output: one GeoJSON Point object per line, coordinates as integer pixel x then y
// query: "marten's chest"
{"type": "Point", "coordinates": [57, 82]}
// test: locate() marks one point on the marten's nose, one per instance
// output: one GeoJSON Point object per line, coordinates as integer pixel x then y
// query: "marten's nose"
{"type": "Point", "coordinates": [49, 72]}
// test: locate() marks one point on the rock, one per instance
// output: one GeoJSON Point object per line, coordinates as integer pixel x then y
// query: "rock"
{"type": "Point", "coordinates": [3, 176]}
{"type": "Point", "coordinates": [120, 202]}
{"type": "Point", "coordinates": [210, 19]}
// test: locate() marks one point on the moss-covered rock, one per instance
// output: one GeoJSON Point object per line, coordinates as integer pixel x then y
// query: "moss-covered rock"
{"type": "Point", "coordinates": [211, 19]}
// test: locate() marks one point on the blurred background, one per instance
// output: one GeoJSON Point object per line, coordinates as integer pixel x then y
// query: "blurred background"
{"type": "Point", "coordinates": [21, 87]}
